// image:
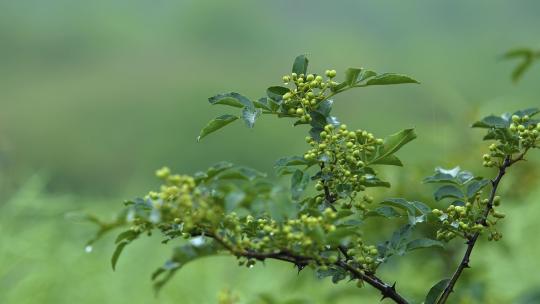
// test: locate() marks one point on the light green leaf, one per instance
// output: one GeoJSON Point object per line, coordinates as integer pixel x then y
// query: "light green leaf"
{"type": "Point", "coordinates": [423, 243]}
{"type": "Point", "coordinates": [390, 78]}
{"type": "Point", "coordinates": [351, 75]}
{"type": "Point", "coordinates": [216, 124]}
{"type": "Point", "coordinates": [393, 143]}
{"type": "Point", "coordinates": [250, 116]}
{"type": "Point", "coordinates": [299, 182]}
{"type": "Point", "coordinates": [391, 160]}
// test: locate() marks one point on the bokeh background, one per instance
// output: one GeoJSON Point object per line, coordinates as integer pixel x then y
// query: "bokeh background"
{"type": "Point", "coordinates": [95, 95]}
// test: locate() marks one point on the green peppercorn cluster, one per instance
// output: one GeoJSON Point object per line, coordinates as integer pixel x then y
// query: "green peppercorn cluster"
{"type": "Point", "coordinates": [182, 208]}
{"type": "Point", "coordinates": [524, 135]}
{"type": "Point", "coordinates": [344, 154]}
{"type": "Point", "coordinates": [464, 221]}
{"type": "Point", "coordinates": [527, 132]}
{"type": "Point", "coordinates": [307, 93]}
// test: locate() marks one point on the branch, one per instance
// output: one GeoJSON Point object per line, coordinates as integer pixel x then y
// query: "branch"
{"type": "Point", "coordinates": [471, 242]}
{"type": "Point", "coordinates": [386, 290]}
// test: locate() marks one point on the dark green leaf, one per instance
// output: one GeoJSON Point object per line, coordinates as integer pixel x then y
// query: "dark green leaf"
{"type": "Point", "coordinates": [276, 93]}
{"type": "Point", "coordinates": [448, 191]}
{"type": "Point", "coordinates": [436, 291]}
{"type": "Point", "coordinates": [476, 186]}
{"type": "Point", "coordinates": [182, 255]}
{"type": "Point", "coordinates": [231, 99]}
{"type": "Point", "coordinates": [216, 124]}
{"type": "Point", "coordinates": [128, 235]}
{"type": "Point", "coordinates": [492, 121]}
{"type": "Point", "coordinates": [300, 65]}
{"type": "Point", "coordinates": [390, 78]}
{"type": "Point", "coordinates": [117, 252]}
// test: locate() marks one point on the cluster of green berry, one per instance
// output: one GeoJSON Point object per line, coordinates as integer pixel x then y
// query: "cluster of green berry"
{"type": "Point", "coordinates": [525, 135]}
{"type": "Point", "coordinates": [466, 220]}
{"type": "Point", "coordinates": [344, 155]}
{"type": "Point", "coordinates": [527, 132]}
{"type": "Point", "coordinates": [308, 92]}
{"type": "Point", "coordinates": [182, 208]}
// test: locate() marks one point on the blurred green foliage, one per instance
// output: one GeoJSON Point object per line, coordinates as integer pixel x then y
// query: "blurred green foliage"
{"type": "Point", "coordinates": [96, 95]}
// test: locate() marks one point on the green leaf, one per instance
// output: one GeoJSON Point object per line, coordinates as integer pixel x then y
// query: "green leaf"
{"type": "Point", "coordinates": [250, 116]}
{"type": "Point", "coordinates": [233, 199]}
{"type": "Point", "coordinates": [476, 186]}
{"type": "Point", "coordinates": [492, 121]}
{"type": "Point", "coordinates": [448, 191]}
{"type": "Point", "coordinates": [198, 248]}
{"type": "Point", "coordinates": [231, 99]}
{"type": "Point", "coordinates": [436, 291]}
{"type": "Point", "coordinates": [392, 144]}
{"type": "Point", "coordinates": [423, 243]}
{"type": "Point", "coordinates": [128, 235]}
{"type": "Point", "coordinates": [341, 236]}
{"type": "Point", "coordinates": [529, 112]}
{"type": "Point", "coordinates": [216, 124]}
{"type": "Point", "coordinates": [241, 173]}
{"type": "Point", "coordinates": [390, 78]}
{"type": "Point", "coordinates": [391, 160]}
{"type": "Point", "coordinates": [276, 93]}
{"type": "Point", "coordinates": [117, 252]}
{"type": "Point", "coordinates": [299, 182]}
{"type": "Point", "coordinates": [351, 75]}
{"type": "Point", "coordinates": [300, 65]}
{"type": "Point", "coordinates": [385, 211]}
{"type": "Point", "coordinates": [450, 176]}
{"type": "Point", "coordinates": [373, 181]}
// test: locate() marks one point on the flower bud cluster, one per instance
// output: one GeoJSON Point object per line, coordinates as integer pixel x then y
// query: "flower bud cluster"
{"type": "Point", "coordinates": [527, 132]}
{"type": "Point", "coordinates": [344, 154]}
{"type": "Point", "coordinates": [308, 92]}
{"type": "Point", "coordinates": [464, 221]}
{"type": "Point", "coordinates": [180, 208]}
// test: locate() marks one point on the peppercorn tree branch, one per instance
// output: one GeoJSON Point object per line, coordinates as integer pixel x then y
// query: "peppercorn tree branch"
{"type": "Point", "coordinates": [387, 291]}
{"type": "Point", "coordinates": [471, 241]}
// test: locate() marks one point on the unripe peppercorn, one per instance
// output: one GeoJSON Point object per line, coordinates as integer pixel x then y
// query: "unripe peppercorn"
{"type": "Point", "coordinates": [286, 78]}
{"type": "Point", "coordinates": [331, 73]}
{"type": "Point", "coordinates": [299, 111]}
{"type": "Point", "coordinates": [515, 118]}
{"type": "Point", "coordinates": [525, 118]}
{"type": "Point", "coordinates": [310, 77]}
